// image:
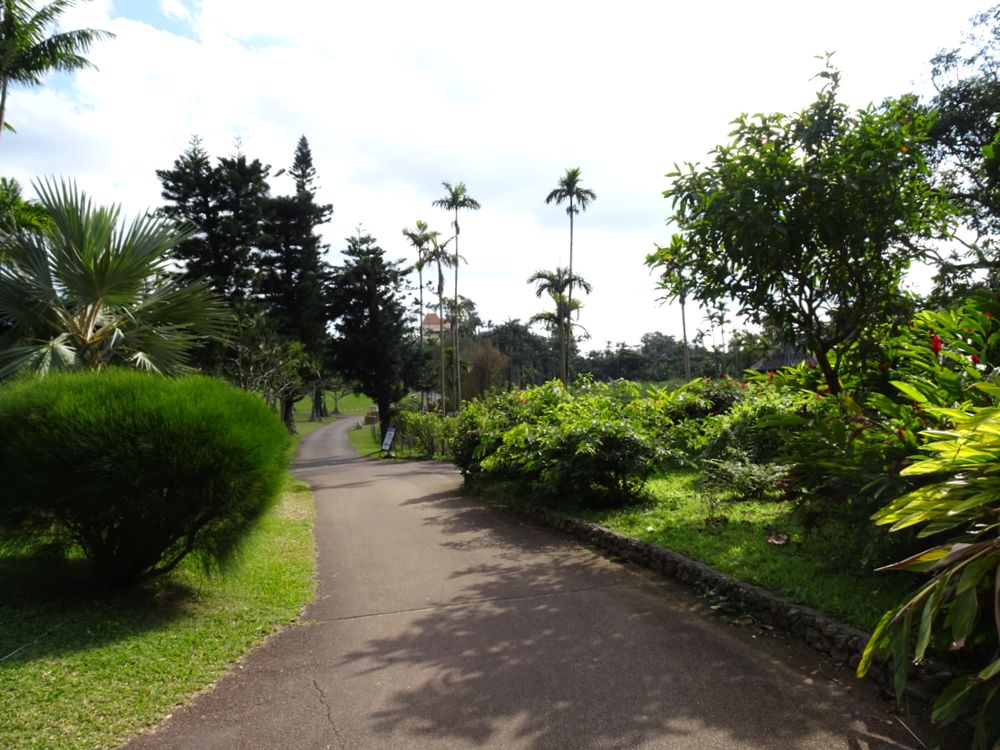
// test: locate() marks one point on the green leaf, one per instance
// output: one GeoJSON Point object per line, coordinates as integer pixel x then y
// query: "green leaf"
{"type": "Point", "coordinates": [962, 614]}
{"type": "Point", "coordinates": [990, 671]}
{"type": "Point", "coordinates": [910, 392]}
{"type": "Point", "coordinates": [952, 702]}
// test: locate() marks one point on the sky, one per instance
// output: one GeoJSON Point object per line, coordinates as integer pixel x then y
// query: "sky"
{"type": "Point", "coordinates": [396, 97]}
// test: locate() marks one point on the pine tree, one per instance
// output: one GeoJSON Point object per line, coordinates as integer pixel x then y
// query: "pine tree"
{"type": "Point", "coordinates": [296, 277]}
{"type": "Point", "coordinates": [374, 346]}
{"type": "Point", "coordinates": [226, 204]}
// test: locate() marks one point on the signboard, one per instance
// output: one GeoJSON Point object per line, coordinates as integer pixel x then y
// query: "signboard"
{"type": "Point", "coordinates": [389, 435]}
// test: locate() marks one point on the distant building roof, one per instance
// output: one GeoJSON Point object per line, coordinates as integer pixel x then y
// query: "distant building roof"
{"type": "Point", "coordinates": [432, 323]}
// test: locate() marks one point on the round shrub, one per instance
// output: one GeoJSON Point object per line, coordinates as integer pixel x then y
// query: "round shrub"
{"type": "Point", "coordinates": [137, 470]}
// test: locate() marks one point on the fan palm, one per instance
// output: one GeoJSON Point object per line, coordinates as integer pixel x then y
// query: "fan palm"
{"type": "Point", "coordinates": [85, 292]}
{"type": "Point", "coordinates": [579, 198]}
{"type": "Point", "coordinates": [457, 197]}
{"type": "Point", "coordinates": [556, 284]}
{"type": "Point", "coordinates": [27, 53]}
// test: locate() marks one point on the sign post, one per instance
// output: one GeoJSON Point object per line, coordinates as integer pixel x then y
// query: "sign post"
{"type": "Point", "coordinates": [390, 434]}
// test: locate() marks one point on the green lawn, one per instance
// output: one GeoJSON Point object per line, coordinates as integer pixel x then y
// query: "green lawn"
{"type": "Point", "coordinates": [350, 406]}
{"type": "Point", "coordinates": [88, 669]}
{"type": "Point", "coordinates": [816, 570]}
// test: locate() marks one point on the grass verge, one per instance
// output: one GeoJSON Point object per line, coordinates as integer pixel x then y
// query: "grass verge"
{"type": "Point", "coordinates": [88, 669]}
{"type": "Point", "coordinates": [816, 570]}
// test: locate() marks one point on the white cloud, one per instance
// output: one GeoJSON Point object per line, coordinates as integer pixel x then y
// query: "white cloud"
{"type": "Point", "coordinates": [397, 96]}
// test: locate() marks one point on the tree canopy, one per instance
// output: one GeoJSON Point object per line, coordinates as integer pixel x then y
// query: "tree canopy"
{"type": "Point", "coordinates": [373, 346]}
{"type": "Point", "coordinates": [27, 53]}
{"type": "Point", "coordinates": [808, 221]}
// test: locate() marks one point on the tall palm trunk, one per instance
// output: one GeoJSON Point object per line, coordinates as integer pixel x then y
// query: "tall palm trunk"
{"type": "Point", "coordinates": [420, 332]}
{"type": "Point", "coordinates": [569, 313]}
{"type": "Point", "coordinates": [454, 328]}
{"type": "Point", "coordinates": [444, 401]}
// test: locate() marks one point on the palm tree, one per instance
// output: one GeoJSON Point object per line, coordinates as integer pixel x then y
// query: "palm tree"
{"type": "Point", "coordinates": [419, 237]}
{"type": "Point", "coordinates": [15, 211]}
{"type": "Point", "coordinates": [85, 292]}
{"type": "Point", "coordinates": [457, 197]}
{"type": "Point", "coordinates": [556, 284]}
{"type": "Point", "coordinates": [579, 198]}
{"type": "Point", "coordinates": [439, 255]}
{"type": "Point", "coordinates": [27, 53]}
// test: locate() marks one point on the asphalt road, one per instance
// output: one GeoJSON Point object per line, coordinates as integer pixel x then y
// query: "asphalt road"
{"type": "Point", "coordinates": [439, 623]}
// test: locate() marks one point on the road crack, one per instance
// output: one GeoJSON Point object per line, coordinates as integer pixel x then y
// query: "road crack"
{"type": "Point", "coordinates": [329, 715]}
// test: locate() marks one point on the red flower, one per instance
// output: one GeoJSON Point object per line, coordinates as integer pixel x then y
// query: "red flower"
{"type": "Point", "coordinates": [900, 433]}
{"type": "Point", "coordinates": [935, 343]}
{"type": "Point", "coordinates": [989, 314]}
{"type": "Point", "coordinates": [975, 359]}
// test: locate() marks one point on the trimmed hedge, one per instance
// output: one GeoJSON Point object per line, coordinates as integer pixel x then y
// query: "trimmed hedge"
{"type": "Point", "coordinates": [135, 470]}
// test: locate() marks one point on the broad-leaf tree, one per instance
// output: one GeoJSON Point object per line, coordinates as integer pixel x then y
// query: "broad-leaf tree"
{"type": "Point", "coordinates": [88, 291]}
{"type": "Point", "coordinates": [28, 49]}
{"type": "Point", "coordinates": [457, 198]}
{"type": "Point", "coordinates": [577, 198]}
{"type": "Point", "coordinates": [965, 149]}
{"type": "Point", "coordinates": [809, 220]}
{"type": "Point", "coordinates": [374, 346]}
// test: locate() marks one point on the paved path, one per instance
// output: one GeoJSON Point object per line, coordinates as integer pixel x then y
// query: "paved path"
{"type": "Point", "coordinates": [441, 624]}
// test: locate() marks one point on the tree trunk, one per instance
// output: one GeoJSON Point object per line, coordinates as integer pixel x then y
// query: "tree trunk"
{"type": "Point", "coordinates": [420, 333]}
{"type": "Point", "coordinates": [829, 373]}
{"type": "Point", "coordinates": [454, 328]}
{"type": "Point", "coordinates": [316, 413]}
{"type": "Point", "coordinates": [569, 312]}
{"type": "Point", "coordinates": [288, 414]}
{"type": "Point", "coordinates": [384, 418]}
{"type": "Point", "coordinates": [444, 401]}
{"type": "Point", "coordinates": [687, 349]}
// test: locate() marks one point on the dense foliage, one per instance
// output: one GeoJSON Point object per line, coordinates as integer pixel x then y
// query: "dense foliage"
{"type": "Point", "coordinates": [134, 470]}
{"type": "Point", "coordinates": [552, 444]}
{"type": "Point", "coordinates": [808, 221]}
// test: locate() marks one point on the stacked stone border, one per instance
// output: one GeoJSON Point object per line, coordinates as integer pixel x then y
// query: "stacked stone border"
{"type": "Point", "coordinates": [843, 643]}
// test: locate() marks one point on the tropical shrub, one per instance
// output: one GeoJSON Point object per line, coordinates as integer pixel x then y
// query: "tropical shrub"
{"type": "Point", "coordinates": [134, 470]}
{"type": "Point", "coordinates": [958, 609]}
{"type": "Point", "coordinates": [738, 431]}
{"type": "Point", "coordinates": [550, 444]}
{"type": "Point", "coordinates": [432, 433]}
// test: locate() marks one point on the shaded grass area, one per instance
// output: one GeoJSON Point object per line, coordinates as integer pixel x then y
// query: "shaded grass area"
{"type": "Point", "coordinates": [85, 668]}
{"type": "Point", "coordinates": [814, 569]}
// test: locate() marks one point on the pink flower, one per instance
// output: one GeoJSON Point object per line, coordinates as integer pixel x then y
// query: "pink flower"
{"type": "Point", "coordinates": [935, 343]}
